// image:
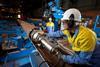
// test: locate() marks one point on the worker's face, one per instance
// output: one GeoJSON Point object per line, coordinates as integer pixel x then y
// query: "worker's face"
{"type": "Point", "coordinates": [68, 24]}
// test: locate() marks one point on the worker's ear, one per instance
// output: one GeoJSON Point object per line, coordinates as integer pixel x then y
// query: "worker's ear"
{"type": "Point", "coordinates": [71, 23]}
{"type": "Point", "coordinates": [71, 17]}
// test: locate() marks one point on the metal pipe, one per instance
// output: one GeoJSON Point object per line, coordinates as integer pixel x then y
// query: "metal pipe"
{"type": "Point", "coordinates": [37, 37]}
{"type": "Point", "coordinates": [53, 48]}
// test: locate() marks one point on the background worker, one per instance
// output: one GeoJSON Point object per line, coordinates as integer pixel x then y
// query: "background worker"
{"type": "Point", "coordinates": [50, 26]}
{"type": "Point", "coordinates": [82, 39]}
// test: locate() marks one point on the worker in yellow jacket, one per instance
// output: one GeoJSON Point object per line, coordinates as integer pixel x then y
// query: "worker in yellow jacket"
{"type": "Point", "coordinates": [50, 26]}
{"type": "Point", "coordinates": [82, 39]}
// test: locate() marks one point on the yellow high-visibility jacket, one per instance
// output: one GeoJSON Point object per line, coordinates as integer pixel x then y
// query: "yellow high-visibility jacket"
{"type": "Point", "coordinates": [83, 40]}
{"type": "Point", "coordinates": [50, 27]}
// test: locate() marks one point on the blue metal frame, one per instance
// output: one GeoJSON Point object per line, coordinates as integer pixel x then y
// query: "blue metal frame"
{"type": "Point", "coordinates": [26, 53]}
{"type": "Point", "coordinates": [97, 29]}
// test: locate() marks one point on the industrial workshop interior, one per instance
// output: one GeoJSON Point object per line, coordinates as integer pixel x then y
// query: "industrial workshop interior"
{"type": "Point", "coordinates": [49, 33]}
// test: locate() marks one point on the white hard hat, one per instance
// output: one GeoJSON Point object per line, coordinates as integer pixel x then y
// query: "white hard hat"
{"type": "Point", "coordinates": [69, 12]}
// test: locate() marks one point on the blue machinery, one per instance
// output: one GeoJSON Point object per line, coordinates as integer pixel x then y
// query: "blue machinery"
{"type": "Point", "coordinates": [55, 10]}
{"type": "Point", "coordinates": [16, 50]}
{"type": "Point", "coordinates": [97, 28]}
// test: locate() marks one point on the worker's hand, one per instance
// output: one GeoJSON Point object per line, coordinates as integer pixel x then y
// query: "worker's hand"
{"type": "Point", "coordinates": [41, 32]}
